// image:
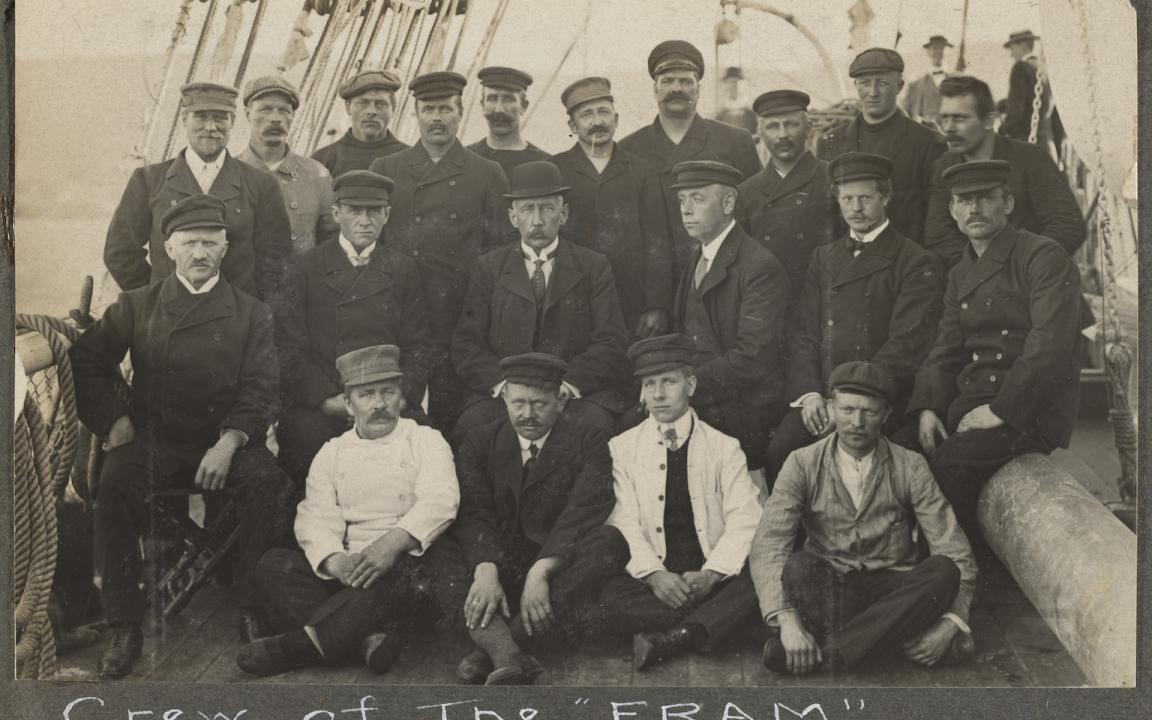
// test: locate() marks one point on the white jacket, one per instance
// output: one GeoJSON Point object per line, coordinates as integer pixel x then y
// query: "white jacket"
{"type": "Point", "coordinates": [725, 502]}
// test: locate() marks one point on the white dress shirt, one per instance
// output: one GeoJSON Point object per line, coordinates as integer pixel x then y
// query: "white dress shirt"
{"type": "Point", "coordinates": [548, 255]}
{"type": "Point", "coordinates": [854, 473]}
{"type": "Point", "coordinates": [869, 236]}
{"type": "Point", "coordinates": [205, 172]}
{"type": "Point", "coordinates": [708, 252]}
{"type": "Point", "coordinates": [526, 444]}
{"type": "Point", "coordinates": [357, 258]}
{"type": "Point", "coordinates": [683, 427]}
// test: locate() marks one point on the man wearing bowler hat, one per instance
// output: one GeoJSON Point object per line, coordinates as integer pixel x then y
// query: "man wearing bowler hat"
{"type": "Point", "coordinates": [447, 210]}
{"type": "Point", "coordinates": [542, 294]}
{"type": "Point", "coordinates": [616, 207]}
{"type": "Point", "coordinates": [504, 99]}
{"type": "Point", "coordinates": [1022, 91]}
{"type": "Point", "coordinates": [882, 129]}
{"type": "Point", "coordinates": [370, 99]}
{"type": "Point", "coordinates": [341, 296]}
{"type": "Point", "coordinates": [734, 108]}
{"type": "Point", "coordinates": [193, 421]}
{"type": "Point", "coordinates": [378, 497]}
{"type": "Point", "coordinates": [679, 133]}
{"type": "Point", "coordinates": [258, 228]}
{"type": "Point", "coordinates": [922, 101]}
{"type": "Point", "coordinates": [270, 103]}
{"type": "Point", "coordinates": [858, 587]}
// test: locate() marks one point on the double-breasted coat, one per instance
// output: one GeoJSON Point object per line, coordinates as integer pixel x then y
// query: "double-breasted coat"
{"type": "Point", "coordinates": [620, 213]}
{"type": "Point", "coordinates": [1009, 337]}
{"type": "Point", "coordinates": [259, 231]}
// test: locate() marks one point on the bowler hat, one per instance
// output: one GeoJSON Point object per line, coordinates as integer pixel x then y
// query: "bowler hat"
{"type": "Point", "coordinates": [863, 377]}
{"type": "Point", "coordinates": [535, 368]}
{"type": "Point", "coordinates": [207, 96]}
{"type": "Point", "coordinates": [875, 60]}
{"type": "Point", "coordinates": [859, 166]}
{"type": "Point", "coordinates": [777, 102]}
{"type": "Point", "coordinates": [586, 90]}
{"type": "Point", "coordinates": [538, 178]}
{"type": "Point", "coordinates": [433, 85]}
{"type": "Point", "coordinates": [733, 73]}
{"type": "Point", "coordinates": [675, 55]}
{"type": "Point", "coordinates": [504, 77]}
{"type": "Point", "coordinates": [368, 365]}
{"type": "Point", "coordinates": [661, 353]}
{"type": "Point", "coordinates": [698, 173]}
{"type": "Point", "coordinates": [937, 40]}
{"type": "Point", "coordinates": [363, 188]}
{"type": "Point", "coordinates": [361, 83]}
{"type": "Point", "coordinates": [977, 175]}
{"type": "Point", "coordinates": [1021, 36]}
{"type": "Point", "coordinates": [194, 212]}
{"type": "Point", "coordinates": [271, 84]}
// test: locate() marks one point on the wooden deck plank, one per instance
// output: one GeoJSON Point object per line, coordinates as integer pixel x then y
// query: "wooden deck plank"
{"type": "Point", "coordinates": [187, 659]}
{"type": "Point", "coordinates": [602, 661]}
{"type": "Point", "coordinates": [1047, 662]}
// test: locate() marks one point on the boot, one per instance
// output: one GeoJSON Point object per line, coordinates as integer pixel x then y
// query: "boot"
{"type": "Point", "coordinates": [250, 626]}
{"type": "Point", "coordinates": [277, 654]}
{"type": "Point", "coordinates": [121, 652]}
{"type": "Point", "coordinates": [475, 668]}
{"type": "Point", "coordinates": [651, 648]}
{"type": "Point", "coordinates": [379, 651]}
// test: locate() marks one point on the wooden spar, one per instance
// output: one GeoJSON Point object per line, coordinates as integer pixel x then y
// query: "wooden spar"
{"type": "Point", "coordinates": [329, 96]}
{"type": "Point", "coordinates": [257, 20]}
{"type": "Point", "coordinates": [564, 59]}
{"type": "Point", "coordinates": [961, 62]}
{"type": "Point", "coordinates": [35, 352]}
{"type": "Point", "coordinates": [456, 49]}
{"type": "Point", "coordinates": [375, 35]}
{"type": "Point", "coordinates": [438, 39]}
{"type": "Point", "coordinates": [479, 60]}
{"type": "Point", "coordinates": [200, 43]}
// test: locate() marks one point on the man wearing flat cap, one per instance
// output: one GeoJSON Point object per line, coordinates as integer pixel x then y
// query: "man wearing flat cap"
{"type": "Point", "coordinates": [922, 101]}
{"type": "Point", "coordinates": [872, 295]}
{"type": "Point", "coordinates": [370, 99]}
{"type": "Point", "coordinates": [347, 294]}
{"type": "Point", "coordinates": [732, 300]}
{"type": "Point", "coordinates": [379, 496]}
{"type": "Point", "coordinates": [688, 509]}
{"type": "Point", "coordinates": [193, 421]}
{"type": "Point", "coordinates": [529, 552]}
{"type": "Point", "coordinates": [616, 207]}
{"type": "Point", "coordinates": [504, 100]}
{"type": "Point", "coordinates": [882, 129]}
{"type": "Point", "coordinates": [859, 587]}
{"type": "Point", "coordinates": [679, 133]}
{"type": "Point", "coordinates": [448, 208]}
{"type": "Point", "coordinates": [270, 103]}
{"type": "Point", "coordinates": [258, 228]}
{"type": "Point", "coordinates": [542, 294]}
{"type": "Point", "coordinates": [1026, 64]}
{"type": "Point", "coordinates": [1003, 376]}
{"type": "Point", "coordinates": [785, 206]}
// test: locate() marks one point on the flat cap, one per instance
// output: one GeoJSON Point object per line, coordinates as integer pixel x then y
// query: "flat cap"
{"type": "Point", "coordinates": [194, 212]}
{"type": "Point", "coordinates": [504, 77]}
{"type": "Point", "coordinates": [537, 369]}
{"type": "Point", "coordinates": [538, 178]}
{"type": "Point", "coordinates": [361, 83]}
{"type": "Point", "coordinates": [1021, 36]}
{"type": "Point", "coordinates": [698, 173]}
{"type": "Point", "coordinates": [586, 90]}
{"type": "Point", "coordinates": [675, 55]}
{"type": "Point", "coordinates": [859, 166]}
{"type": "Point", "coordinates": [875, 60]}
{"type": "Point", "coordinates": [368, 365]}
{"type": "Point", "coordinates": [437, 85]}
{"type": "Point", "coordinates": [776, 102]}
{"type": "Point", "coordinates": [661, 353]}
{"type": "Point", "coordinates": [937, 40]}
{"type": "Point", "coordinates": [363, 188]}
{"type": "Point", "coordinates": [271, 84]}
{"type": "Point", "coordinates": [863, 377]}
{"type": "Point", "coordinates": [977, 175]}
{"type": "Point", "coordinates": [207, 96]}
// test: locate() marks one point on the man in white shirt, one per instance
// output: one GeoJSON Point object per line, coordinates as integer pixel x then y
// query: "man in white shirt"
{"type": "Point", "coordinates": [377, 498]}
{"type": "Point", "coordinates": [688, 509]}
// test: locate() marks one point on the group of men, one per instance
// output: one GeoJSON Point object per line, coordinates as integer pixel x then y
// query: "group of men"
{"type": "Point", "coordinates": [796, 335]}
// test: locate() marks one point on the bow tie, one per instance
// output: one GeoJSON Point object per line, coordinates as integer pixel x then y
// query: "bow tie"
{"type": "Point", "coordinates": [937, 72]}
{"type": "Point", "coordinates": [855, 245]}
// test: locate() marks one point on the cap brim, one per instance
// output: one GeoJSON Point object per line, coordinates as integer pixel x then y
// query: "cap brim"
{"type": "Point", "coordinates": [375, 377]}
{"type": "Point", "coordinates": [200, 225]}
{"type": "Point", "coordinates": [688, 184]}
{"type": "Point", "coordinates": [976, 186]}
{"type": "Point", "coordinates": [861, 390]}
{"type": "Point", "coordinates": [781, 110]}
{"type": "Point", "coordinates": [223, 107]}
{"type": "Point", "coordinates": [585, 101]}
{"type": "Point", "coordinates": [363, 202]}
{"type": "Point", "coordinates": [657, 368]}
{"type": "Point", "coordinates": [675, 65]}
{"type": "Point", "coordinates": [528, 194]}
{"type": "Point", "coordinates": [294, 100]}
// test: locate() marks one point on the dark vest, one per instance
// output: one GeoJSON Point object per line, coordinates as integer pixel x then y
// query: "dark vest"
{"type": "Point", "coordinates": [684, 553]}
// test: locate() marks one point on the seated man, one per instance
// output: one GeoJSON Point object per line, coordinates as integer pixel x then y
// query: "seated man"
{"type": "Point", "coordinates": [530, 550]}
{"type": "Point", "coordinates": [543, 294]}
{"type": "Point", "coordinates": [195, 419]}
{"type": "Point", "coordinates": [688, 532]}
{"type": "Point", "coordinates": [858, 585]}
{"type": "Point", "coordinates": [377, 497]}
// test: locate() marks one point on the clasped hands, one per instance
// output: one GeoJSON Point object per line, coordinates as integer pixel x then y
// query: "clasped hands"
{"type": "Point", "coordinates": [682, 590]}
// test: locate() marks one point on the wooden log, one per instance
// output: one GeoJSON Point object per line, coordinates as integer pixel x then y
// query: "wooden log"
{"type": "Point", "coordinates": [34, 351]}
{"type": "Point", "coordinates": [1073, 559]}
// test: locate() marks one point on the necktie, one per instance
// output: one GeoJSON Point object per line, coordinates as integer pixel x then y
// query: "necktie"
{"type": "Point", "coordinates": [539, 284]}
{"type": "Point", "coordinates": [701, 271]}
{"type": "Point", "coordinates": [855, 245]}
{"type": "Point", "coordinates": [670, 439]}
{"type": "Point", "coordinates": [533, 451]}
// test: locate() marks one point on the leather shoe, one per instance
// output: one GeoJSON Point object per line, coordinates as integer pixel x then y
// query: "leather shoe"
{"type": "Point", "coordinates": [651, 648]}
{"type": "Point", "coordinates": [121, 652]}
{"type": "Point", "coordinates": [379, 651]}
{"type": "Point", "coordinates": [523, 671]}
{"type": "Point", "coordinates": [277, 654]}
{"type": "Point", "coordinates": [960, 651]}
{"type": "Point", "coordinates": [475, 668]}
{"type": "Point", "coordinates": [251, 626]}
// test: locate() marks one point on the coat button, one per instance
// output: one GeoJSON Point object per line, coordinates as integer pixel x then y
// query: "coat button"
{"type": "Point", "coordinates": [415, 253]}
{"type": "Point", "coordinates": [999, 356]}
{"type": "Point", "coordinates": [799, 236]}
{"type": "Point", "coordinates": [830, 323]}
{"type": "Point", "coordinates": [767, 238]}
{"type": "Point", "coordinates": [452, 183]}
{"type": "Point", "coordinates": [1003, 332]}
{"type": "Point", "coordinates": [173, 202]}
{"type": "Point", "coordinates": [293, 204]}
{"type": "Point", "coordinates": [453, 216]}
{"type": "Point", "coordinates": [975, 357]}
{"type": "Point", "coordinates": [659, 529]}
{"type": "Point", "coordinates": [992, 378]}
{"type": "Point", "coordinates": [237, 211]}
{"type": "Point", "coordinates": [661, 466]}
{"type": "Point", "coordinates": [799, 202]}
{"type": "Point", "coordinates": [293, 236]}
{"type": "Point", "coordinates": [211, 409]}
{"type": "Point", "coordinates": [660, 498]}
{"type": "Point", "coordinates": [963, 306]}
{"type": "Point", "coordinates": [216, 337]}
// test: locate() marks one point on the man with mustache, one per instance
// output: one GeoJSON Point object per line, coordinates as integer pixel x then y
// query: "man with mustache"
{"type": "Point", "coordinates": [379, 496]}
{"type": "Point", "coordinates": [258, 228]}
{"type": "Point", "coordinates": [679, 133]}
{"type": "Point", "coordinates": [873, 295]}
{"type": "Point", "coordinates": [447, 209]}
{"type": "Point", "coordinates": [270, 103]}
{"type": "Point", "coordinates": [504, 99]}
{"type": "Point", "coordinates": [785, 206]}
{"type": "Point", "coordinates": [882, 128]}
{"type": "Point", "coordinates": [616, 207]}
{"type": "Point", "coordinates": [370, 99]}
{"type": "Point", "coordinates": [1003, 376]}
{"type": "Point", "coordinates": [922, 101]}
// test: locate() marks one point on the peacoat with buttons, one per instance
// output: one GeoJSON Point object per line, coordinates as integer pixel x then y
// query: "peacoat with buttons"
{"type": "Point", "coordinates": [308, 197]}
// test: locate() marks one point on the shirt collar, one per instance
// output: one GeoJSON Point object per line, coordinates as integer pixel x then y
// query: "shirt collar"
{"type": "Point", "coordinates": [204, 289]}
{"type": "Point", "coordinates": [525, 442]}
{"type": "Point", "coordinates": [871, 234]}
{"type": "Point", "coordinates": [709, 251]}
{"type": "Point", "coordinates": [684, 425]}
{"type": "Point", "coordinates": [196, 162]}
{"type": "Point", "coordinates": [351, 251]}
{"type": "Point", "coordinates": [850, 460]}
{"type": "Point", "coordinates": [548, 253]}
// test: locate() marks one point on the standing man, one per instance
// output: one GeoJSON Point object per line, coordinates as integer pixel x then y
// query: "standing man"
{"type": "Point", "coordinates": [1003, 376]}
{"type": "Point", "coordinates": [616, 207]}
{"type": "Point", "coordinates": [859, 586]}
{"type": "Point", "coordinates": [688, 509]}
{"type": "Point", "coordinates": [1022, 91]}
{"type": "Point", "coordinates": [873, 295]}
{"type": "Point", "coordinates": [734, 109]}
{"type": "Point", "coordinates": [881, 129]}
{"type": "Point", "coordinates": [785, 206]}
{"type": "Point", "coordinates": [193, 421]}
{"type": "Point", "coordinates": [504, 99]}
{"type": "Point", "coordinates": [732, 301]}
{"type": "Point", "coordinates": [259, 231]}
{"type": "Point", "coordinates": [370, 99]}
{"type": "Point", "coordinates": [339, 297]}
{"type": "Point", "coordinates": [448, 209]}
{"type": "Point", "coordinates": [679, 133]}
{"type": "Point", "coordinates": [270, 103]}
{"type": "Point", "coordinates": [922, 101]}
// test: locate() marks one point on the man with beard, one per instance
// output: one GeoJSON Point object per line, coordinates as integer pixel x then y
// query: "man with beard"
{"type": "Point", "coordinates": [678, 133]}
{"type": "Point", "coordinates": [370, 99]}
{"type": "Point", "coordinates": [882, 129]}
{"type": "Point", "coordinates": [615, 206]}
{"type": "Point", "coordinates": [259, 231]}
{"type": "Point", "coordinates": [785, 206]}
{"type": "Point", "coordinates": [270, 102]}
{"type": "Point", "coordinates": [504, 98]}
{"type": "Point", "coordinates": [922, 101]}
{"type": "Point", "coordinates": [447, 209]}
